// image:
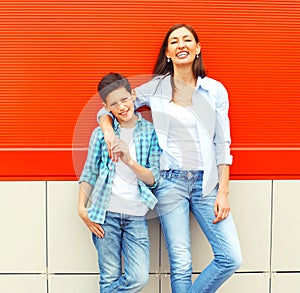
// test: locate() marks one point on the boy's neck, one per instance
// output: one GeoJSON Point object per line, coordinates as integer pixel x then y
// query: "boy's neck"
{"type": "Point", "coordinates": [130, 123]}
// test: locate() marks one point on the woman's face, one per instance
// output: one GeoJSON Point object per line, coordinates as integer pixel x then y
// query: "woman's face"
{"type": "Point", "coordinates": [182, 47]}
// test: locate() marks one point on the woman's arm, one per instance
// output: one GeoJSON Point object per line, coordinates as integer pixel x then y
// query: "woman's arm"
{"type": "Point", "coordinates": [105, 118]}
{"type": "Point", "coordinates": [222, 139]}
{"type": "Point", "coordinates": [106, 121]}
{"type": "Point", "coordinates": [222, 143]}
{"type": "Point", "coordinates": [222, 207]}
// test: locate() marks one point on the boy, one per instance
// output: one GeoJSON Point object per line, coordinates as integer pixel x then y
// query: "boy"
{"type": "Point", "coordinates": [119, 191]}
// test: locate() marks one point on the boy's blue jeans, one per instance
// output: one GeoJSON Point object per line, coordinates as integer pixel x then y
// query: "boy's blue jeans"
{"type": "Point", "coordinates": [128, 236]}
{"type": "Point", "coordinates": [178, 193]}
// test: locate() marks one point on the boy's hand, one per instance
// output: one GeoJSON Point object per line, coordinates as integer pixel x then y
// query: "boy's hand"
{"type": "Point", "coordinates": [120, 149]}
{"type": "Point", "coordinates": [93, 227]}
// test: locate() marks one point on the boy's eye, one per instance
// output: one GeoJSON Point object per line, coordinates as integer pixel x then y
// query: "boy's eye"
{"type": "Point", "coordinates": [113, 105]}
{"type": "Point", "coordinates": [125, 99]}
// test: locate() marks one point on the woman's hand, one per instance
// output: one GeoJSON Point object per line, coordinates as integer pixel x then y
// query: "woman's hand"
{"type": "Point", "coordinates": [222, 207]}
{"type": "Point", "coordinates": [109, 137]}
{"type": "Point", "coordinates": [93, 227]}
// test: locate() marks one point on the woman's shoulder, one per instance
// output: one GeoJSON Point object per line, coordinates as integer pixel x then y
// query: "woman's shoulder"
{"type": "Point", "coordinates": [211, 84]}
{"type": "Point", "coordinates": [209, 81]}
{"type": "Point", "coordinates": [154, 81]}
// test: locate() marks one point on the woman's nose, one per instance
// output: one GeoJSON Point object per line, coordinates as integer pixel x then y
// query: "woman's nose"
{"type": "Point", "coordinates": [180, 44]}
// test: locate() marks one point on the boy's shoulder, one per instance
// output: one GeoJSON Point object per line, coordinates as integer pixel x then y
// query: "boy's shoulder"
{"type": "Point", "coordinates": [98, 133]}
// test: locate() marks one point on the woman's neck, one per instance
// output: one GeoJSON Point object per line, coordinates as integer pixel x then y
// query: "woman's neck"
{"type": "Point", "coordinates": [184, 85]}
{"type": "Point", "coordinates": [184, 75]}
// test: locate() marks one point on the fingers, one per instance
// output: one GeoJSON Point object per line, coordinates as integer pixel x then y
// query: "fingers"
{"type": "Point", "coordinates": [110, 139]}
{"type": "Point", "coordinates": [112, 153]}
{"type": "Point", "coordinates": [221, 214]}
{"type": "Point", "coordinates": [118, 147]}
{"type": "Point", "coordinates": [114, 157]}
{"type": "Point", "coordinates": [96, 229]}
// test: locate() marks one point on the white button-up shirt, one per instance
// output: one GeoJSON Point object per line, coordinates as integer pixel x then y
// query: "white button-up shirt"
{"type": "Point", "coordinates": [210, 107]}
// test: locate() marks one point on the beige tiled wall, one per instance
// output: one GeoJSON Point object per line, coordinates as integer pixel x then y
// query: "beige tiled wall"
{"type": "Point", "coordinates": [286, 226]}
{"type": "Point", "coordinates": [70, 249]}
{"type": "Point", "coordinates": [23, 283]}
{"type": "Point", "coordinates": [251, 207]}
{"type": "Point", "coordinates": [45, 247]}
{"type": "Point", "coordinates": [22, 227]}
{"type": "Point", "coordinates": [286, 282]}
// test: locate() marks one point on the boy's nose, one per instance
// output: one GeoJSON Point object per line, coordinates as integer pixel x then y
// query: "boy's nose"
{"type": "Point", "coordinates": [122, 106]}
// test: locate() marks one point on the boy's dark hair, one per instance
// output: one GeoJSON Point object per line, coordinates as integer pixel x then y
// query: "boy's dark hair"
{"type": "Point", "coordinates": [111, 82]}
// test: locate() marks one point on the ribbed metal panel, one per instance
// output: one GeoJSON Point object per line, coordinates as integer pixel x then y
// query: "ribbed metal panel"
{"type": "Point", "coordinates": [53, 53]}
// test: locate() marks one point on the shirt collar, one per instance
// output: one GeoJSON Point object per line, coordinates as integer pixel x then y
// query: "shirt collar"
{"type": "Point", "coordinates": [202, 82]}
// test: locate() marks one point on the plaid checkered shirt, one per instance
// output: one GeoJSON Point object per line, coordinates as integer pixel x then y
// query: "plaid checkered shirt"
{"type": "Point", "coordinates": [99, 170]}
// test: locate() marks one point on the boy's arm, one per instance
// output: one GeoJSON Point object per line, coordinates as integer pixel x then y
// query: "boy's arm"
{"type": "Point", "coordinates": [154, 158]}
{"type": "Point", "coordinates": [88, 180]}
{"type": "Point", "coordinates": [142, 173]}
{"type": "Point", "coordinates": [85, 191]}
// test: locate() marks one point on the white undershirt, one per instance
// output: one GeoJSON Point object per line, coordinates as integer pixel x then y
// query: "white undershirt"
{"type": "Point", "coordinates": [125, 194]}
{"type": "Point", "coordinates": [183, 145]}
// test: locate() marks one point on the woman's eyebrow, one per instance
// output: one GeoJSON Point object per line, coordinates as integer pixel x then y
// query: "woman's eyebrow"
{"type": "Point", "coordinates": [185, 36]}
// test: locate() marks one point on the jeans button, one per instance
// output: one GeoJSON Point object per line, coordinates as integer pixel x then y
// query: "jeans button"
{"type": "Point", "coordinates": [189, 174]}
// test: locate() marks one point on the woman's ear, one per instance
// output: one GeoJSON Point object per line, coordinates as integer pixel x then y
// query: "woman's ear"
{"type": "Point", "coordinates": [198, 48]}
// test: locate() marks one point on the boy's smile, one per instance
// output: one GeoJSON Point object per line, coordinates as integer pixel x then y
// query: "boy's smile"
{"type": "Point", "coordinates": [120, 103]}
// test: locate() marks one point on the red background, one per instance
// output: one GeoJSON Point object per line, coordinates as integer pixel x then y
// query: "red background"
{"type": "Point", "coordinates": [53, 53]}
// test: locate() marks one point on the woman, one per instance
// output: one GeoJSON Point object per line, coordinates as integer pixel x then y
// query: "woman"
{"type": "Point", "coordinates": [190, 116]}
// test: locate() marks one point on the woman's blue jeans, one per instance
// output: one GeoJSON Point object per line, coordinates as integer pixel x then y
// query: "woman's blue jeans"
{"type": "Point", "coordinates": [178, 193]}
{"type": "Point", "coordinates": [128, 236]}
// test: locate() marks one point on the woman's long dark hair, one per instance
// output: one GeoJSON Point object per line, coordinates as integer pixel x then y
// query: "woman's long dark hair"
{"type": "Point", "coordinates": [162, 67]}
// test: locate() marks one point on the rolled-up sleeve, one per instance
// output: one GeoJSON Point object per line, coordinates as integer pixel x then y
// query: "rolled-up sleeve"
{"type": "Point", "coordinates": [154, 159]}
{"type": "Point", "coordinates": [91, 167]}
{"type": "Point", "coordinates": [222, 139]}
{"type": "Point", "coordinates": [102, 112]}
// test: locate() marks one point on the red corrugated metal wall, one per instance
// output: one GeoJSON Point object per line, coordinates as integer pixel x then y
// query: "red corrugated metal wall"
{"type": "Point", "coordinates": [53, 53]}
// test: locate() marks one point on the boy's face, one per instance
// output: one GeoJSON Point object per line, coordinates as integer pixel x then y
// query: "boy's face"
{"type": "Point", "coordinates": [121, 103]}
